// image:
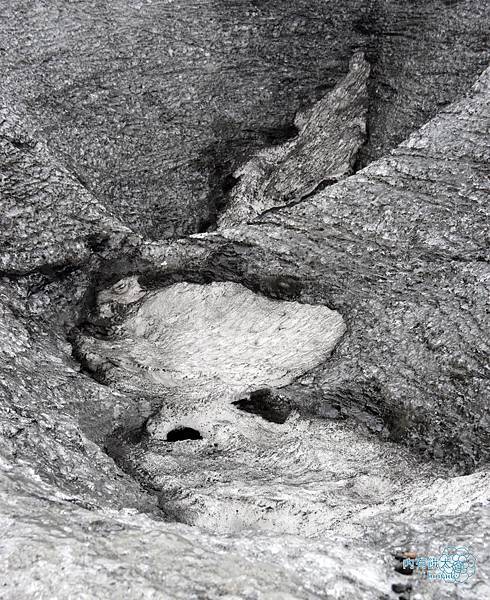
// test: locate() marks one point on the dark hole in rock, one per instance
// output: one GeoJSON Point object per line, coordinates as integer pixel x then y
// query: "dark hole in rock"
{"type": "Point", "coordinates": [280, 134]}
{"type": "Point", "coordinates": [183, 433]}
{"type": "Point", "coordinates": [229, 182]}
{"type": "Point", "coordinates": [265, 404]}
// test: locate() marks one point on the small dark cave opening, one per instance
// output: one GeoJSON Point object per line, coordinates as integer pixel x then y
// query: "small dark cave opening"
{"type": "Point", "coordinates": [180, 434]}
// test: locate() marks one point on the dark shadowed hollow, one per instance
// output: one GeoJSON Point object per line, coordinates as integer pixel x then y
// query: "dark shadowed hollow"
{"type": "Point", "coordinates": [183, 433]}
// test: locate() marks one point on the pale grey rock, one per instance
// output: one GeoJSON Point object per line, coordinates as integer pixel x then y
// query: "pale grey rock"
{"type": "Point", "coordinates": [73, 526]}
{"type": "Point", "coordinates": [324, 151]}
{"type": "Point", "coordinates": [398, 250]}
{"type": "Point", "coordinates": [219, 339]}
{"type": "Point", "coordinates": [55, 550]}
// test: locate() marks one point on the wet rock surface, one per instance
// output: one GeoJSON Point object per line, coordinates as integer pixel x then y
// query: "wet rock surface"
{"type": "Point", "coordinates": [283, 407]}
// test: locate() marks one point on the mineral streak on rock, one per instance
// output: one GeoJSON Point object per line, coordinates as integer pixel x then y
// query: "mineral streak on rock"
{"type": "Point", "coordinates": [324, 151]}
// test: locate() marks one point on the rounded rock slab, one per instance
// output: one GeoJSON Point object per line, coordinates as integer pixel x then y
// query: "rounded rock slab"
{"type": "Point", "coordinates": [219, 337]}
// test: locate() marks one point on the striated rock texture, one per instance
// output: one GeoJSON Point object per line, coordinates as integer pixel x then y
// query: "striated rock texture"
{"type": "Point", "coordinates": [155, 103]}
{"type": "Point", "coordinates": [48, 220]}
{"type": "Point", "coordinates": [220, 338]}
{"type": "Point", "coordinates": [121, 478]}
{"type": "Point", "coordinates": [46, 406]}
{"type": "Point", "coordinates": [424, 55]}
{"type": "Point", "coordinates": [324, 151]}
{"type": "Point", "coordinates": [399, 250]}
{"type": "Point", "coordinates": [306, 506]}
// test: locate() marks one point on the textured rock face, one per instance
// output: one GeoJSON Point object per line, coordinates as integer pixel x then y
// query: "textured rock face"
{"type": "Point", "coordinates": [73, 526]}
{"type": "Point", "coordinates": [45, 400]}
{"type": "Point", "coordinates": [153, 103]}
{"type": "Point", "coordinates": [422, 60]}
{"type": "Point", "coordinates": [325, 150]}
{"type": "Point", "coordinates": [399, 250]}
{"type": "Point", "coordinates": [48, 219]}
{"type": "Point", "coordinates": [167, 464]}
{"type": "Point", "coordinates": [218, 338]}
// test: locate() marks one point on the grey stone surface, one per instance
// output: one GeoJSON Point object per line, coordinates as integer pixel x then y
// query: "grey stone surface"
{"type": "Point", "coordinates": [154, 103]}
{"type": "Point", "coordinates": [126, 119]}
{"type": "Point", "coordinates": [424, 55]}
{"type": "Point", "coordinates": [220, 338]}
{"type": "Point", "coordinates": [325, 150]}
{"type": "Point", "coordinates": [400, 250]}
{"type": "Point", "coordinates": [48, 219]}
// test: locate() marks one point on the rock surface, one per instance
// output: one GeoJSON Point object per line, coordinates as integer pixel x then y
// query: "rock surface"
{"type": "Point", "coordinates": [219, 338]}
{"type": "Point", "coordinates": [400, 250]}
{"type": "Point", "coordinates": [154, 103]}
{"type": "Point", "coordinates": [129, 118]}
{"type": "Point", "coordinates": [330, 135]}
{"type": "Point", "coordinates": [48, 220]}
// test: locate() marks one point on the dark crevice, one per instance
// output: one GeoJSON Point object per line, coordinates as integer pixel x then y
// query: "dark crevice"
{"type": "Point", "coordinates": [218, 161]}
{"type": "Point", "coordinates": [56, 272]}
{"type": "Point", "coordinates": [180, 434]}
{"type": "Point", "coordinates": [52, 272]}
{"type": "Point", "coordinates": [266, 404]}
{"type": "Point", "coordinates": [26, 144]}
{"type": "Point", "coordinates": [361, 158]}
{"type": "Point", "coordinates": [370, 24]}
{"type": "Point", "coordinates": [221, 268]}
{"type": "Point", "coordinates": [274, 136]}
{"type": "Point", "coordinates": [220, 196]}
{"type": "Point", "coordinates": [323, 184]}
